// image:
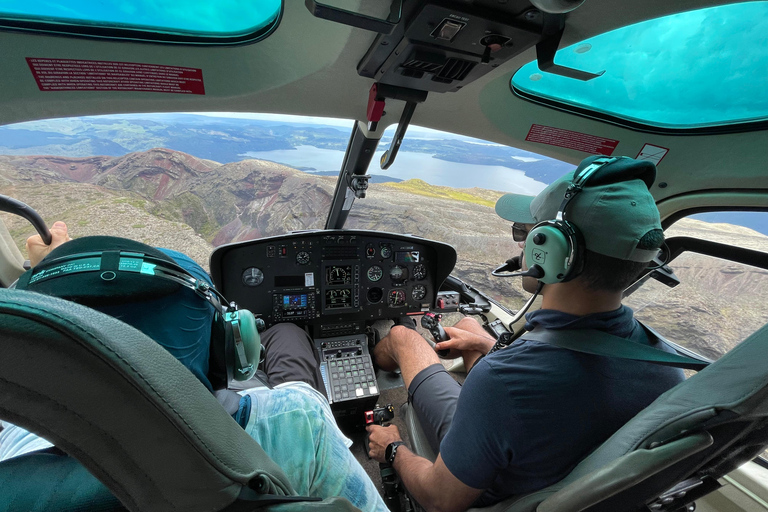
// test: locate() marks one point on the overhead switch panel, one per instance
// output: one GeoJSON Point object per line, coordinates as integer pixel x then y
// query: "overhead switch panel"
{"type": "Point", "coordinates": [441, 49]}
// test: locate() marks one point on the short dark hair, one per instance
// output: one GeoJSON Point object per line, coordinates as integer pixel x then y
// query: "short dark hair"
{"type": "Point", "coordinates": [605, 273]}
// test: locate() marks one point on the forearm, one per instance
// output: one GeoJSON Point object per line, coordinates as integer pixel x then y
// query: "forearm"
{"type": "Point", "coordinates": [418, 477]}
{"type": "Point", "coordinates": [471, 356]}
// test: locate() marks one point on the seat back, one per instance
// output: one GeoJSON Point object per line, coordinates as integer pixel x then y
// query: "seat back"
{"type": "Point", "coordinates": [674, 450]}
{"type": "Point", "coordinates": [125, 408]}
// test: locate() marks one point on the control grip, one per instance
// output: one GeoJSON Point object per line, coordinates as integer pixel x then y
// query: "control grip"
{"type": "Point", "coordinates": [431, 322]}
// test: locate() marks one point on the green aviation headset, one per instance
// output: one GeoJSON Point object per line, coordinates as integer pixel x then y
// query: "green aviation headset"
{"type": "Point", "coordinates": [554, 249]}
{"type": "Point", "coordinates": [129, 271]}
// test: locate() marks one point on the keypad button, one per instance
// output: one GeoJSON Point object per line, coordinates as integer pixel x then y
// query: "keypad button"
{"type": "Point", "coordinates": [350, 380]}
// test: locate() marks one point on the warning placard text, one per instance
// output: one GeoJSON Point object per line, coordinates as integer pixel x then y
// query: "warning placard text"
{"type": "Point", "coordinates": [572, 140]}
{"type": "Point", "coordinates": [97, 75]}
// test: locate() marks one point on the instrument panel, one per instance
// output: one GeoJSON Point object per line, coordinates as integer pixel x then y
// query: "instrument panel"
{"type": "Point", "coordinates": [332, 279]}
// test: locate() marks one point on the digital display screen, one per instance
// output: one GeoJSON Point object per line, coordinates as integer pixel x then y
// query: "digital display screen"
{"type": "Point", "coordinates": [337, 299]}
{"type": "Point", "coordinates": [338, 274]}
{"type": "Point", "coordinates": [407, 257]}
{"type": "Point", "coordinates": [284, 281]}
{"type": "Point", "coordinates": [298, 301]}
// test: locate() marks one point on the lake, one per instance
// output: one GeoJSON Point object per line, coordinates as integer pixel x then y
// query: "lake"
{"type": "Point", "coordinates": [410, 165]}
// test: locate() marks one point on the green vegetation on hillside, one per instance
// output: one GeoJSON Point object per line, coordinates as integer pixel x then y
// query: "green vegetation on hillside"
{"type": "Point", "coordinates": [422, 188]}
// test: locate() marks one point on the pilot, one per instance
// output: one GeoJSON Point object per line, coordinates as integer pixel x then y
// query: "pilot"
{"type": "Point", "coordinates": [527, 414]}
{"type": "Point", "coordinates": [318, 463]}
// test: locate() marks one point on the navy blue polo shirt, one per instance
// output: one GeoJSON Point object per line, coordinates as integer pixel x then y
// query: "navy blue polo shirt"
{"type": "Point", "coordinates": [528, 414]}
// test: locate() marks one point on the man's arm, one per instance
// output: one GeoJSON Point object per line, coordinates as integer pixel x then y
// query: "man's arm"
{"type": "Point", "coordinates": [431, 484]}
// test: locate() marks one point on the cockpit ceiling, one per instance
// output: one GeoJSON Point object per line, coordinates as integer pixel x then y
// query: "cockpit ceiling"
{"type": "Point", "coordinates": [308, 67]}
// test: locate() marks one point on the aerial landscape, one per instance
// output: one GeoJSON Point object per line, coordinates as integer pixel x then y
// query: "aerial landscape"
{"type": "Point", "coordinates": [193, 182]}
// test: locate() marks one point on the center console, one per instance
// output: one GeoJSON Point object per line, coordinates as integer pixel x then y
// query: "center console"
{"type": "Point", "coordinates": [334, 283]}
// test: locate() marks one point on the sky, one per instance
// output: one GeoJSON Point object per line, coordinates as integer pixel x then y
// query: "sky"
{"type": "Point", "coordinates": [703, 67]}
{"type": "Point", "coordinates": [205, 16]}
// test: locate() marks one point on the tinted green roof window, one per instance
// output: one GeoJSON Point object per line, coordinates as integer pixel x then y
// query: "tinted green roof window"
{"type": "Point", "coordinates": [695, 69]}
{"type": "Point", "coordinates": [168, 20]}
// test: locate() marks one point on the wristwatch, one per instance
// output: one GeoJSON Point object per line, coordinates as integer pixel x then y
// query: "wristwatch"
{"type": "Point", "coordinates": [391, 451]}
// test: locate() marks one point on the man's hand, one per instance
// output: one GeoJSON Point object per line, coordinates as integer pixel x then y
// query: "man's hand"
{"type": "Point", "coordinates": [463, 341]}
{"type": "Point", "coordinates": [380, 438]}
{"type": "Point", "coordinates": [36, 248]}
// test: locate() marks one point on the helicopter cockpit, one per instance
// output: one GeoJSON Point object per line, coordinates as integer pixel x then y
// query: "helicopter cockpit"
{"type": "Point", "coordinates": [181, 127]}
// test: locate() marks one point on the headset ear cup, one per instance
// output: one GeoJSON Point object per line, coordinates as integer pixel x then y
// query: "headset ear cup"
{"type": "Point", "coordinates": [550, 246]}
{"type": "Point", "coordinates": [578, 247]}
{"type": "Point", "coordinates": [245, 342]}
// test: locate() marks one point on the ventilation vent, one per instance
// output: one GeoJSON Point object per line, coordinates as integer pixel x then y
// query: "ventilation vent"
{"type": "Point", "coordinates": [422, 65]}
{"type": "Point", "coordinates": [455, 69]}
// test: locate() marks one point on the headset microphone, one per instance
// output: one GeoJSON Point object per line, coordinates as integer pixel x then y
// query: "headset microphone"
{"type": "Point", "coordinates": [503, 271]}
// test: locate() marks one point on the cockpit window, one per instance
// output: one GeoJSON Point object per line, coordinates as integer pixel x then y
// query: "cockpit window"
{"type": "Point", "coordinates": [718, 302]}
{"type": "Point", "coordinates": [196, 21]}
{"type": "Point", "coordinates": [697, 69]}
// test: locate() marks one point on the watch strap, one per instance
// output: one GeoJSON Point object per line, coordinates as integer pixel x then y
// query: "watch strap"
{"type": "Point", "coordinates": [392, 450]}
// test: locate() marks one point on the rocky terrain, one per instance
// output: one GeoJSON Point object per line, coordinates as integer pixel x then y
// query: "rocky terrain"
{"type": "Point", "coordinates": [172, 199]}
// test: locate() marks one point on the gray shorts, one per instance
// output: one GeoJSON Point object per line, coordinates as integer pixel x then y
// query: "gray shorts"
{"type": "Point", "coordinates": [434, 394]}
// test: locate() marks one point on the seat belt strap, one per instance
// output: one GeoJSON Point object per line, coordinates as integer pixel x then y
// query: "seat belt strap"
{"type": "Point", "coordinates": [600, 343]}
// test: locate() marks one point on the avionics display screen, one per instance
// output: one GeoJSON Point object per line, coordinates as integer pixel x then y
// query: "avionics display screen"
{"type": "Point", "coordinates": [284, 281]}
{"type": "Point", "coordinates": [338, 299]}
{"type": "Point", "coordinates": [295, 301]}
{"type": "Point", "coordinates": [407, 257]}
{"type": "Point", "coordinates": [338, 274]}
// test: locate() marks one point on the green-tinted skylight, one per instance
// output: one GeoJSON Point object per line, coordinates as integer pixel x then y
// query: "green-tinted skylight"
{"type": "Point", "coordinates": [695, 69]}
{"type": "Point", "coordinates": [206, 19]}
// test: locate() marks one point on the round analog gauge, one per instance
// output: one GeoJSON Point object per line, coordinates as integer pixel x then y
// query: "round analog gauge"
{"type": "Point", "coordinates": [398, 273]}
{"type": "Point", "coordinates": [338, 274]}
{"type": "Point", "coordinates": [396, 298]}
{"type": "Point", "coordinates": [370, 251]}
{"type": "Point", "coordinates": [419, 272]}
{"type": "Point", "coordinates": [302, 258]}
{"type": "Point", "coordinates": [375, 273]}
{"type": "Point", "coordinates": [419, 292]}
{"type": "Point", "coordinates": [386, 251]}
{"type": "Point", "coordinates": [253, 276]}
{"type": "Point", "coordinates": [374, 295]}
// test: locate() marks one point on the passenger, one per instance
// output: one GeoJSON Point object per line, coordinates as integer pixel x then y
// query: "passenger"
{"type": "Point", "coordinates": [527, 414]}
{"type": "Point", "coordinates": [292, 423]}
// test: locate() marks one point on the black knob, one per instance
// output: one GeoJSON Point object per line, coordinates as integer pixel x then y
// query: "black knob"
{"type": "Point", "coordinates": [539, 238]}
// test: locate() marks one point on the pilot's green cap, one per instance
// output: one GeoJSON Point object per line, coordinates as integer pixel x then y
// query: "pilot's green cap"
{"type": "Point", "coordinates": [612, 215]}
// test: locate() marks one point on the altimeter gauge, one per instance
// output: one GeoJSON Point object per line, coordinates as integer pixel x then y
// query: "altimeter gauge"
{"type": "Point", "coordinates": [419, 272]}
{"type": "Point", "coordinates": [419, 292]}
{"type": "Point", "coordinates": [302, 258]}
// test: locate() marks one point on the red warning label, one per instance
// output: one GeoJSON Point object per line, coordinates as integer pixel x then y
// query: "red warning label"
{"type": "Point", "coordinates": [571, 140]}
{"type": "Point", "coordinates": [97, 75]}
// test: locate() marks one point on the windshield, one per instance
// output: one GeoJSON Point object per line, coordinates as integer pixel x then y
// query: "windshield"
{"type": "Point", "coordinates": [191, 182]}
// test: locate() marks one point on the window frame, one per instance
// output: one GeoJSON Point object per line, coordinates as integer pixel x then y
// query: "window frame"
{"type": "Point", "coordinates": [114, 33]}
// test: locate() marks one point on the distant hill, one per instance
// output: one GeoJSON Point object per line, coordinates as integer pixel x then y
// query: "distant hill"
{"type": "Point", "coordinates": [168, 198]}
{"type": "Point", "coordinates": [227, 139]}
